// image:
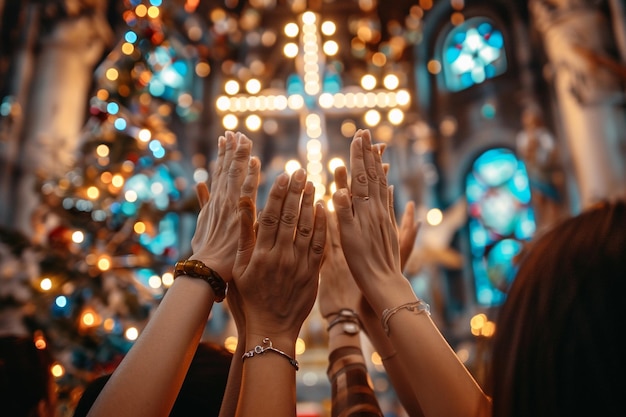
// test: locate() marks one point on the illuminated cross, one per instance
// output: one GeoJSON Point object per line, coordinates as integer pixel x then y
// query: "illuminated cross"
{"type": "Point", "coordinates": [311, 94]}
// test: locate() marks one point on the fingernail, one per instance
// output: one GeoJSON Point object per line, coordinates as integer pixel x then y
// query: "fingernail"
{"type": "Point", "coordinates": [299, 174]}
{"type": "Point", "coordinates": [282, 180]}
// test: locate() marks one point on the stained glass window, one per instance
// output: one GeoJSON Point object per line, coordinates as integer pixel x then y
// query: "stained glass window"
{"type": "Point", "coordinates": [472, 53]}
{"type": "Point", "coordinates": [501, 219]}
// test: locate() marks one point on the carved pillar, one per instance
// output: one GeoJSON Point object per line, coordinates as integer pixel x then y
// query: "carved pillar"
{"type": "Point", "coordinates": [589, 96]}
{"type": "Point", "coordinates": [18, 80]}
{"type": "Point", "coordinates": [59, 98]}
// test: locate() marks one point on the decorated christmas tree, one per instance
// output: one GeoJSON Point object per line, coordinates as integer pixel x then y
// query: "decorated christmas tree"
{"type": "Point", "coordinates": [110, 229]}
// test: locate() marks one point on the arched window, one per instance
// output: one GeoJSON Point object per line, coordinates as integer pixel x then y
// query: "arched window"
{"type": "Point", "coordinates": [472, 53]}
{"type": "Point", "coordinates": [501, 219]}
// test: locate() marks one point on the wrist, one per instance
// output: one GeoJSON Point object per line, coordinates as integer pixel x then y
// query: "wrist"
{"type": "Point", "coordinates": [216, 265]}
{"type": "Point", "coordinates": [193, 268]}
{"type": "Point", "coordinates": [347, 319]}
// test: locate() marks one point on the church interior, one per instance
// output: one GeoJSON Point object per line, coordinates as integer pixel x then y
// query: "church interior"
{"type": "Point", "coordinates": [499, 117]}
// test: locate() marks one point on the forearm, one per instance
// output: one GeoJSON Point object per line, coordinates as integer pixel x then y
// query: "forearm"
{"type": "Point", "coordinates": [268, 384]}
{"type": "Point", "coordinates": [441, 382]}
{"type": "Point", "coordinates": [395, 369]}
{"type": "Point", "coordinates": [233, 385]}
{"type": "Point", "coordinates": [148, 379]}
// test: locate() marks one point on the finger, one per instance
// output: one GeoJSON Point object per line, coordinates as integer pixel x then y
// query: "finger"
{"type": "Point", "coordinates": [358, 182]}
{"type": "Point", "coordinates": [304, 231]}
{"type": "Point", "coordinates": [392, 211]}
{"type": "Point", "coordinates": [408, 222]}
{"type": "Point", "coordinates": [221, 151]}
{"type": "Point", "coordinates": [239, 164]}
{"type": "Point", "coordinates": [386, 169]}
{"type": "Point", "coordinates": [250, 184]}
{"type": "Point", "coordinates": [230, 145]}
{"type": "Point", "coordinates": [341, 177]}
{"type": "Point", "coordinates": [381, 175]}
{"type": "Point", "coordinates": [269, 218]}
{"type": "Point", "coordinates": [246, 243]}
{"type": "Point", "coordinates": [408, 232]}
{"type": "Point", "coordinates": [318, 240]}
{"type": "Point", "coordinates": [202, 193]}
{"type": "Point", "coordinates": [369, 160]}
{"type": "Point", "coordinates": [291, 207]}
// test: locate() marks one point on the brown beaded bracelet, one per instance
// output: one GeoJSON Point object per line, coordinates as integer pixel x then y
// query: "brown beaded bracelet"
{"type": "Point", "coordinates": [197, 269]}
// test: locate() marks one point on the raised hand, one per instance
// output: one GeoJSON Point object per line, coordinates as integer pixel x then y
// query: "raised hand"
{"type": "Point", "coordinates": [276, 273]}
{"type": "Point", "coordinates": [235, 174]}
{"type": "Point", "coordinates": [337, 290]}
{"type": "Point", "coordinates": [277, 268]}
{"type": "Point", "coordinates": [367, 226]}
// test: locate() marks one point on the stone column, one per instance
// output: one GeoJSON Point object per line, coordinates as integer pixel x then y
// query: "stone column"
{"type": "Point", "coordinates": [589, 97]}
{"type": "Point", "coordinates": [59, 99]}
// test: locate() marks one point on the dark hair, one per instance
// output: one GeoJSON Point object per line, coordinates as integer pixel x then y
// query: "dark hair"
{"type": "Point", "coordinates": [557, 349]}
{"type": "Point", "coordinates": [202, 390]}
{"type": "Point", "coordinates": [24, 376]}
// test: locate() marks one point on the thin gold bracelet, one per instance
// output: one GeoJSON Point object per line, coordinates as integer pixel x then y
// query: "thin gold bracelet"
{"type": "Point", "coordinates": [418, 307]}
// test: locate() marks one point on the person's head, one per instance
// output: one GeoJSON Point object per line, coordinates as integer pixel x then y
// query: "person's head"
{"type": "Point", "coordinates": [201, 392]}
{"type": "Point", "coordinates": [557, 349]}
{"type": "Point", "coordinates": [26, 385]}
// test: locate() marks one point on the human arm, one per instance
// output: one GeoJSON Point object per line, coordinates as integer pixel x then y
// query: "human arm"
{"type": "Point", "coordinates": [338, 299]}
{"type": "Point", "coordinates": [442, 384]}
{"type": "Point", "coordinates": [395, 369]}
{"type": "Point", "coordinates": [149, 377]}
{"type": "Point", "coordinates": [233, 385]}
{"type": "Point", "coordinates": [276, 273]}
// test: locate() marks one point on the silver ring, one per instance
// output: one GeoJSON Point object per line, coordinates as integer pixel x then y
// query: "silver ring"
{"type": "Point", "coordinates": [362, 198]}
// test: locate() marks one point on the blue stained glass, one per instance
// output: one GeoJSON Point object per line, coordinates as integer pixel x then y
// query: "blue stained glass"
{"type": "Point", "coordinates": [466, 80]}
{"type": "Point", "coordinates": [458, 37]}
{"type": "Point", "coordinates": [452, 53]}
{"type": "Point", "coordinates": [472, 53]}
{"type": "Point", "coordinates": [496, 39]}
{"type": "Point", "coordinates": [484, 28]}
{"type": "Point", "coordinates": [500, 221]}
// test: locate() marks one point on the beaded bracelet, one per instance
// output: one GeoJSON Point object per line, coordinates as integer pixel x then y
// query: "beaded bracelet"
{"type": "Point", "coordinates": [197, 269]}
{"type": "Point", "coordinates": [259, 350]}
{"type": "Point", "coordinates": [418, 307]}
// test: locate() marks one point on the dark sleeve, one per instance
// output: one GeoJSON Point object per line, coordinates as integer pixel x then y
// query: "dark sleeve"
{"type": "Point", "coordinates": [89, 396]}
{"type": "Point", "coordinates": [352, 394]}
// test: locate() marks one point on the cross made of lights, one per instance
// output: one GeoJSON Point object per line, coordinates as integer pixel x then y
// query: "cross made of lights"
{"type": "Point", "coordinates": [311, 94]}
